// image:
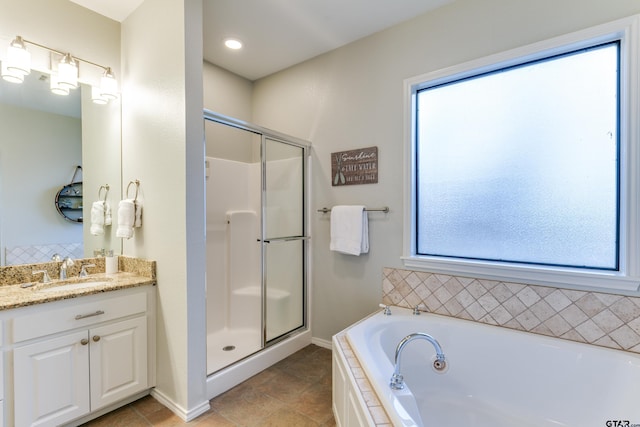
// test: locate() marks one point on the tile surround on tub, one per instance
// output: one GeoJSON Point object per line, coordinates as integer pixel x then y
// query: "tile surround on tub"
{"type": "Point", "coordinates": [374, 406]}
{"type": "Point", "coordinates": [590, 317]}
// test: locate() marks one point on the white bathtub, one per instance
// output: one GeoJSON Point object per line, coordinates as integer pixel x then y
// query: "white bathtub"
{"type": "Point", "coordinates": [495, 377]}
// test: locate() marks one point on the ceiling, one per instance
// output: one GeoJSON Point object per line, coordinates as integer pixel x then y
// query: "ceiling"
{"type": "Point", "coordinates": [280, 33]}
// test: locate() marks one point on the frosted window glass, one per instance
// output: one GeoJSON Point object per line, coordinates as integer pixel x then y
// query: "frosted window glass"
{"type": "Point", "coordinates": [521, 165]}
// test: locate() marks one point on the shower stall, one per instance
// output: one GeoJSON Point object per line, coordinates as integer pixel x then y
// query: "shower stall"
{"type": "Point", "coordinates": [257, 248]}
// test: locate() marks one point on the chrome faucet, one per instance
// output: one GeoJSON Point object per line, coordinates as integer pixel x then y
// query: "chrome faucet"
{"type": "Point", "coordinates": [418, 308]}
{"type": "Point", "coordinates": [83, 269]}
{"type": "Point", "coordinates": [66, 263]}
{"type": "Point", "coordinates": [386, 311]}
{"type": "Point", "coordinates": [45, 276]}
{"type": "Point", "coordinates": [397, 381]}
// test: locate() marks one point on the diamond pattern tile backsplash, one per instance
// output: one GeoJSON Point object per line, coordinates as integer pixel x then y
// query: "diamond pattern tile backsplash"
{"type": "Point", "coordinates": [34, 254]}
{"type": "Point", "coordinates": [590, 317]}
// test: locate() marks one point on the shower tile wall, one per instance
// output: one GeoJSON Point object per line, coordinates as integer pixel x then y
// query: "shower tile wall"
{"type": "Point", "coordinates": [590, 317]}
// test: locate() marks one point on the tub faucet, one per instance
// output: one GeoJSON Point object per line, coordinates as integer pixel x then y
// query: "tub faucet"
{"type": "Point", "coordinates": [397, 381]}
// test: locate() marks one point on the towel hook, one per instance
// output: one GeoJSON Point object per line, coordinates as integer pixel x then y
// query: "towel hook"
{"type": "Point", "coordinates": [137, 184]}
{"type": "Point", "coordinates": [106, 192]}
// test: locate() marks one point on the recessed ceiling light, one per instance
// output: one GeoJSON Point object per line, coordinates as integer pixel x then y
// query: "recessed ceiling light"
{"type": "Point", "coordinates": [233, 44]}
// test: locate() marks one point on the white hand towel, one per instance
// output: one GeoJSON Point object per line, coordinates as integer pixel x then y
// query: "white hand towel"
{"type": "Point", "coordinates": [126, 218]}
{"type": "Point", "coordinates": [107, 213]}
{"type": "Point", "coordinates": [97, 219]}
{"type": "Point", "coordinates": [349, 230]}
{"type": "Point", "coordinates": [138, 219]}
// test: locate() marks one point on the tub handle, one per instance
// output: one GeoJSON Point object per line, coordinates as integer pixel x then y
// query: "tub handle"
{"type": "Point", "coordinates": [387, 310]}
{"type": "Point", "coordinates": [418, 308]}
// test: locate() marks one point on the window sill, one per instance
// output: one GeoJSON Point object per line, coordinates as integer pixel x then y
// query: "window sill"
{"type": "Point", "coordinates": [609, 282]}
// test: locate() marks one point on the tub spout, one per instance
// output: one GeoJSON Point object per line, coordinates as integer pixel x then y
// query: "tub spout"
{"type": "Point", "coordinates": [397, 381]}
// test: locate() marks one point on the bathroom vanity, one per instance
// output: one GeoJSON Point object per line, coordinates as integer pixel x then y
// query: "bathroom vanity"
{"type": "Point", "coordinates": [71, 353]}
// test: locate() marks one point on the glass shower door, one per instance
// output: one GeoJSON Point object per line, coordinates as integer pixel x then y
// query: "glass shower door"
{"type": "Point", "coordinates": [284, 242]}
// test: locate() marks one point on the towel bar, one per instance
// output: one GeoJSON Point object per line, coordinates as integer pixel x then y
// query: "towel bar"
{"type": "Point", "coordinates": [385, 210]}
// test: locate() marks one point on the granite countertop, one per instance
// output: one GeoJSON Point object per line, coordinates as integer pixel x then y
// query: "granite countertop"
{"type": "Point", "coordinates": [132, 272]}
{"type": "Point", "coordinates": [14, 296]}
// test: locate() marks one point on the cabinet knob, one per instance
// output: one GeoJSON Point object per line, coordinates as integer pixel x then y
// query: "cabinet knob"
{"type": "Point", "coordinates": [84, 341]}
{"type": "Point", "coordinates": [96, 338]}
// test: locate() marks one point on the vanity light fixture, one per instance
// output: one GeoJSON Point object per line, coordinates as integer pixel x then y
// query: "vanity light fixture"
{"type": "Point", "coordinates": [17, 63]}
{"type": "Point", "coordinates": [108, 85]}
{"type": "Point", "coordinates": [68, 72]}
{"type": "Point", "coordinates": [96, 96]}
{"type": "Point", "coordinates": [56, 87]}
{"type": "Point", "coordinates": [64, 73]}
{"type": "Point", "coordinates": [11, 75]}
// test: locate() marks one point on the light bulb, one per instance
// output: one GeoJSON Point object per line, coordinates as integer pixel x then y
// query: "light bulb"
{"type": "Point", "coordinates": [11, 75]}
{"type": "Point", "coordinates": [68, 72]}
{"type": "Point", "coordinates": [56, 87]}
{"type": "Point", "coordinates": [233, 44]}
{"type": "Point", "coordinates": [108, 85]}
{"type": "Point", "coordinates": [18, 57]}
{"type": "Point", "coordinates": [96, 96]}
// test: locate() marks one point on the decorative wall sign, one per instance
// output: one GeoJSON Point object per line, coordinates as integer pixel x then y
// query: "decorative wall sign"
{"type": "Point", "coordinates": [355, 167]}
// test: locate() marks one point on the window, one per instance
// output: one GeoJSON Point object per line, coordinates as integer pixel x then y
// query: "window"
{"type": "Point", "coordinates": [522, 165]}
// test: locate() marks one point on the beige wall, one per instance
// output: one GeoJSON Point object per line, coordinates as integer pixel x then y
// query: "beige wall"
{"type": "Point", "coordinates": [226, 93]}
{"type": "Point", "coordinates": [163, 148]}
{"type": "Point", "coordinates": [353, 97]}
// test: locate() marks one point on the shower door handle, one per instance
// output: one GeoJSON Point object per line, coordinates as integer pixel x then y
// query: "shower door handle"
{"type": "Point", "coordinates": [284, 239]}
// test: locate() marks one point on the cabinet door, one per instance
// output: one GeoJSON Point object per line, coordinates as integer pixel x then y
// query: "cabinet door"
{"type": "Point", "coordinates": [50, 380]}
{"type": "Point", "coordinates": [118, 361]}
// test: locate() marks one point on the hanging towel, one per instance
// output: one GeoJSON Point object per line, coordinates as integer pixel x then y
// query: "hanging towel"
{"type": "Point", "coordinates": [349, 230]}
{"type": "Point", "coordinates": [97, 219]}
{"type": "Point", "coordinates": [137, 204]}
{"type": "Point", "coordinates": [126, 218]}
{"type": "Point", "coordinates": [107, 213]}
{"type": "Point", "coordinates": [100, 217]}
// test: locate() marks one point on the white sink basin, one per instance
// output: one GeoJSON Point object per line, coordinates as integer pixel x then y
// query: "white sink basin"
{"type": "Point", "coordinates": [71, 286]}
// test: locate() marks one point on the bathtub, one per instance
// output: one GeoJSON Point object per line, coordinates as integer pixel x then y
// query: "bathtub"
{"type": "Point", "coordinates": [495, 377]}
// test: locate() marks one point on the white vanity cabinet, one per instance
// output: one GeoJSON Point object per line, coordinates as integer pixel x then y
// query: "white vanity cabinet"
{"type": "Point", "coordinates": [2, 423]}
{"type": "Point", "coordinates": [51, 383]}
{"type": "Point", "coordinates": [76, 356]}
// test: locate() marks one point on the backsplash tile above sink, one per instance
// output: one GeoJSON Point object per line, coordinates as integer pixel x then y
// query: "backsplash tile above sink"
{"type": "Point", "coordinates": [590, 317]}
{"type": "Point", "coordinates": [34, 254]}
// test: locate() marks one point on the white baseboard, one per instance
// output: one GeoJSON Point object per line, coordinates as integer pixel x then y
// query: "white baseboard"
{"type": "Point", "coordinates": [186, 415]}
{"type": "Point", "coordinates": [321, 343]}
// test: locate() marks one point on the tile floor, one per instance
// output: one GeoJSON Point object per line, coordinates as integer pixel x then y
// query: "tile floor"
{"type": "Point", "coordinates": [295, 392]}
